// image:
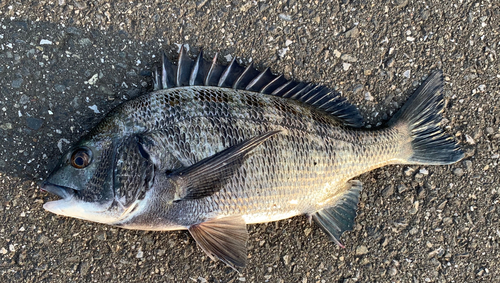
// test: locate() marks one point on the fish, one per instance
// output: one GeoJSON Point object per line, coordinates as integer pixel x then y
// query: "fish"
{"type": "Point", "coordinates": [215, 147]}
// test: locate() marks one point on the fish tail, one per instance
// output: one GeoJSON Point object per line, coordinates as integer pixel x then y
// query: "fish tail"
{"type": "Point", "coordinates": [421, 116]}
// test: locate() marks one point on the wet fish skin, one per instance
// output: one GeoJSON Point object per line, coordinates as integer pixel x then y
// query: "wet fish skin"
{"type": "Point", "coordinates": [212, 159]}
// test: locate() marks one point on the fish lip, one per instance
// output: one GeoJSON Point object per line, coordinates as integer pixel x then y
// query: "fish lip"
{"type": "Point", "coordinates": [60, 191]}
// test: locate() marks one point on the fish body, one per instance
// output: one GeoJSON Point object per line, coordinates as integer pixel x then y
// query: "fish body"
{"type": "Point", "coordinates": [214, 148]}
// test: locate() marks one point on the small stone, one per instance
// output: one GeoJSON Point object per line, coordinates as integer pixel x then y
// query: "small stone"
{"type": "Point", "coordinates": [3, 251]}
{"type": "Point", "coordinates": [407, 74]}
{"type": "Point", "coordinates": [490, 130]}
{"type": "Point", "coordinates": [337, 53]}
{"type": "Point", "coordinates": [447, 220]}
{"type": "Point", "coordinates": [6, 126]}
{"type": "Point", "coordinates": [353, 33]}
{"type": "Point", "coordinates": [402, 188]}
{"type": "Point", "coordinates": [368, 72]}
{"type": "Point", "coordinates": [307, 231]}
{"type": "Point", "coordinates": [93, 79]}
{"type": "Point", "coordinates": [361, 250]}
{"type": "Point", "coordinates": [140, 254]}
{"type": "Point", "coordinates": [458, 172]}
{"type": "Point", "coordinates": [368, 96]}
{"type": "Point", "coordinates": [286, 259]}
{"type": "Point", "coordinates": [393, 271]}
{"type": "Point", "coordinates": [390, 62]}
{"type": "Point", "coordinates": [285, 17]}
{"type": "Point", "coordinates": [94, 108]}
{"type": "Point", "coordinates": [17, 83]}
{"type": "Point", "coordinates": [421, 193]}
{"type": "Point", "coordinates": [469, 140]}
{"type": "Point", "coordinates": [409, 171]}
{"type": "Point", "coordinates": [45, 42]}
{"type": "Point", "coordinates": [414, 209]}
{"type": "Point", "coordinates": [357, 88]}
{"type": "Point", "coordinates": [348, 58]}
{"type": "Point", "coordinates": [388, 191]}
{"type": "Point", "coordinates": [468, 165]}
{"type": "Point", "coordinates": [24, 99]}
{"type": "Point", "coordinates": [423, 171]}
{"type": "Point", "coordinates": [60, 88]}
{"type": "Point", "coordinates": [34, 123]}
{"type": "Point", "coordinates": [346, 66]}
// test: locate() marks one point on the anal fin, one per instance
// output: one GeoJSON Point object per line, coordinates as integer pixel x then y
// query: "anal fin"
{"type": "Point", "coordinates": [223, 238]}
{"type": "Point", "coordinates": [340, 217]}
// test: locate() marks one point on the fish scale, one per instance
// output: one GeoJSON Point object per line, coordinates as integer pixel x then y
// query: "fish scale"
{"type": "Point", "coordinates": [215, 147]}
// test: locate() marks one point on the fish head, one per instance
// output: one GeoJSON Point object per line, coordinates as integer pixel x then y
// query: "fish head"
{"type": "Point", "coordinates": [83, 179]}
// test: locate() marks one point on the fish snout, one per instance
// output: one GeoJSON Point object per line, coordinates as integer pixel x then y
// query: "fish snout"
{"type": "Point", "coordinates": [61, 191]}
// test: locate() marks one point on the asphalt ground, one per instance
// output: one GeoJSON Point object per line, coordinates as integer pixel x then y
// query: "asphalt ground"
{"type": "Point", "coordinates": [64, 64]}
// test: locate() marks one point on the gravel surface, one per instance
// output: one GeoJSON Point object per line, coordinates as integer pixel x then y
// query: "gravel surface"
{"type": "Point", "coordinates": [65, 63]}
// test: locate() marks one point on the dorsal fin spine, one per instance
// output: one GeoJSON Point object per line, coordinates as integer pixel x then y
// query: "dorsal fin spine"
{"type": "Point", "coordinates": [203, 72]}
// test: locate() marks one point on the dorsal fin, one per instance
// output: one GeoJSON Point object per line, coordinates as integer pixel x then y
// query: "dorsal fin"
{"type": "Point", "coordinates": [204, 72]}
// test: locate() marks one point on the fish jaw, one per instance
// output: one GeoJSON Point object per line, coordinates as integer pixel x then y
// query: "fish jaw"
{"type": "Point", "coordinates": [69, 205]}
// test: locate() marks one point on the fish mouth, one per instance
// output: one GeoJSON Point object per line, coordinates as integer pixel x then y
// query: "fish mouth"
{"type": "Point", "coordinates": [60, 191]}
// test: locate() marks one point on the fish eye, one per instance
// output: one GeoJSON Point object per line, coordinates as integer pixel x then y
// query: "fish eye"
{"type": "Point", "coordinates": [81, 158]}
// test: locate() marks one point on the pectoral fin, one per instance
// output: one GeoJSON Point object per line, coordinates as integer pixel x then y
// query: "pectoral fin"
{"type": "Point", "coordinates": [211, 174]}
{"type": "Point", "coordinates": [224, 239]}
{"type": "Point", "coordinates": [340, 217]}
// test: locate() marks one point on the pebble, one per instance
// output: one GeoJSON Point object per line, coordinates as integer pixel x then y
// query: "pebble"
{"type": "Point", "coordinates": [388, 191]}
{"type": "Point", "coordinates": [414, 208]}
{"type": "Point", "coordinates": [286, 259]}
{"type": "Point", "coordinates": [408, 171]}
{"type": "Point", "coordinates": [393, 271]}
{"type": "Point", "coordinates": [6, 126]}
{"type": "Point", "coordinates": [361, 250]}
{"type": "Point", "coordinates": [60, 88]}
{"type": "Point", "coordinates": [402, 188]}
{"type": "Point", "coordinates": [469, 140]}
{"type": "Point", "coordinates": [407, 74]}
{"type": "Point", "coordinates": [490, 130]}
{"type": "Point", "coordinates": [24, 99]}
{"type": "Point", "coordinates": [389, 63]}
{"type": "Point", "coordinates": [3, 251]}
{"type": "Point", "coordinates": [348, 58]}
{"type": "Point", "coordinates": [346, 66]}
{"type": "Point", "coordinates": [34, 123]}
{"type": "Point", "coordinates": [140, 254]}
{"type": "Point", "coordinates": [423, 171]}
{"type": "Point", "coordinates": [458, 172]}
{"type": "Point", "coordinates": [94, 108]}
{"type": "Point", "coordinates": [17, 83]}
{"type": "Point", "coordinates": [368, 96]}
{"type": "Point", "coordinates": [45, 42]}
{"type": "Point", "coordinates": [357, 88]}
{"type": "Point", "coordinates": [93, 79]}
{"type": "Point", "coordinates": [285, 17]}
{"type": "Point", "coordinates": [337, 53]}
{"type": "Point", "coordinates": [354, 32]}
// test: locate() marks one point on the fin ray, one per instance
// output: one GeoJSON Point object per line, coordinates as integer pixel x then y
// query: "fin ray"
{"type": "Point", "coordinates": [224, 239]}
{"type": "Point", "coordinates": [340, 217]}
{"type": "Point", "coordinates": [421, 114]}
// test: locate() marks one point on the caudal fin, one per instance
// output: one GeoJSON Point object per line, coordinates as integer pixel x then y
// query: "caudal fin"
{"type": "Point", "coordinates": [422, 115]}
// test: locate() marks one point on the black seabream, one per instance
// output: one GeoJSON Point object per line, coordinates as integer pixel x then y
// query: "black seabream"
{"type": "Point", "coordinates": [215, 147]}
